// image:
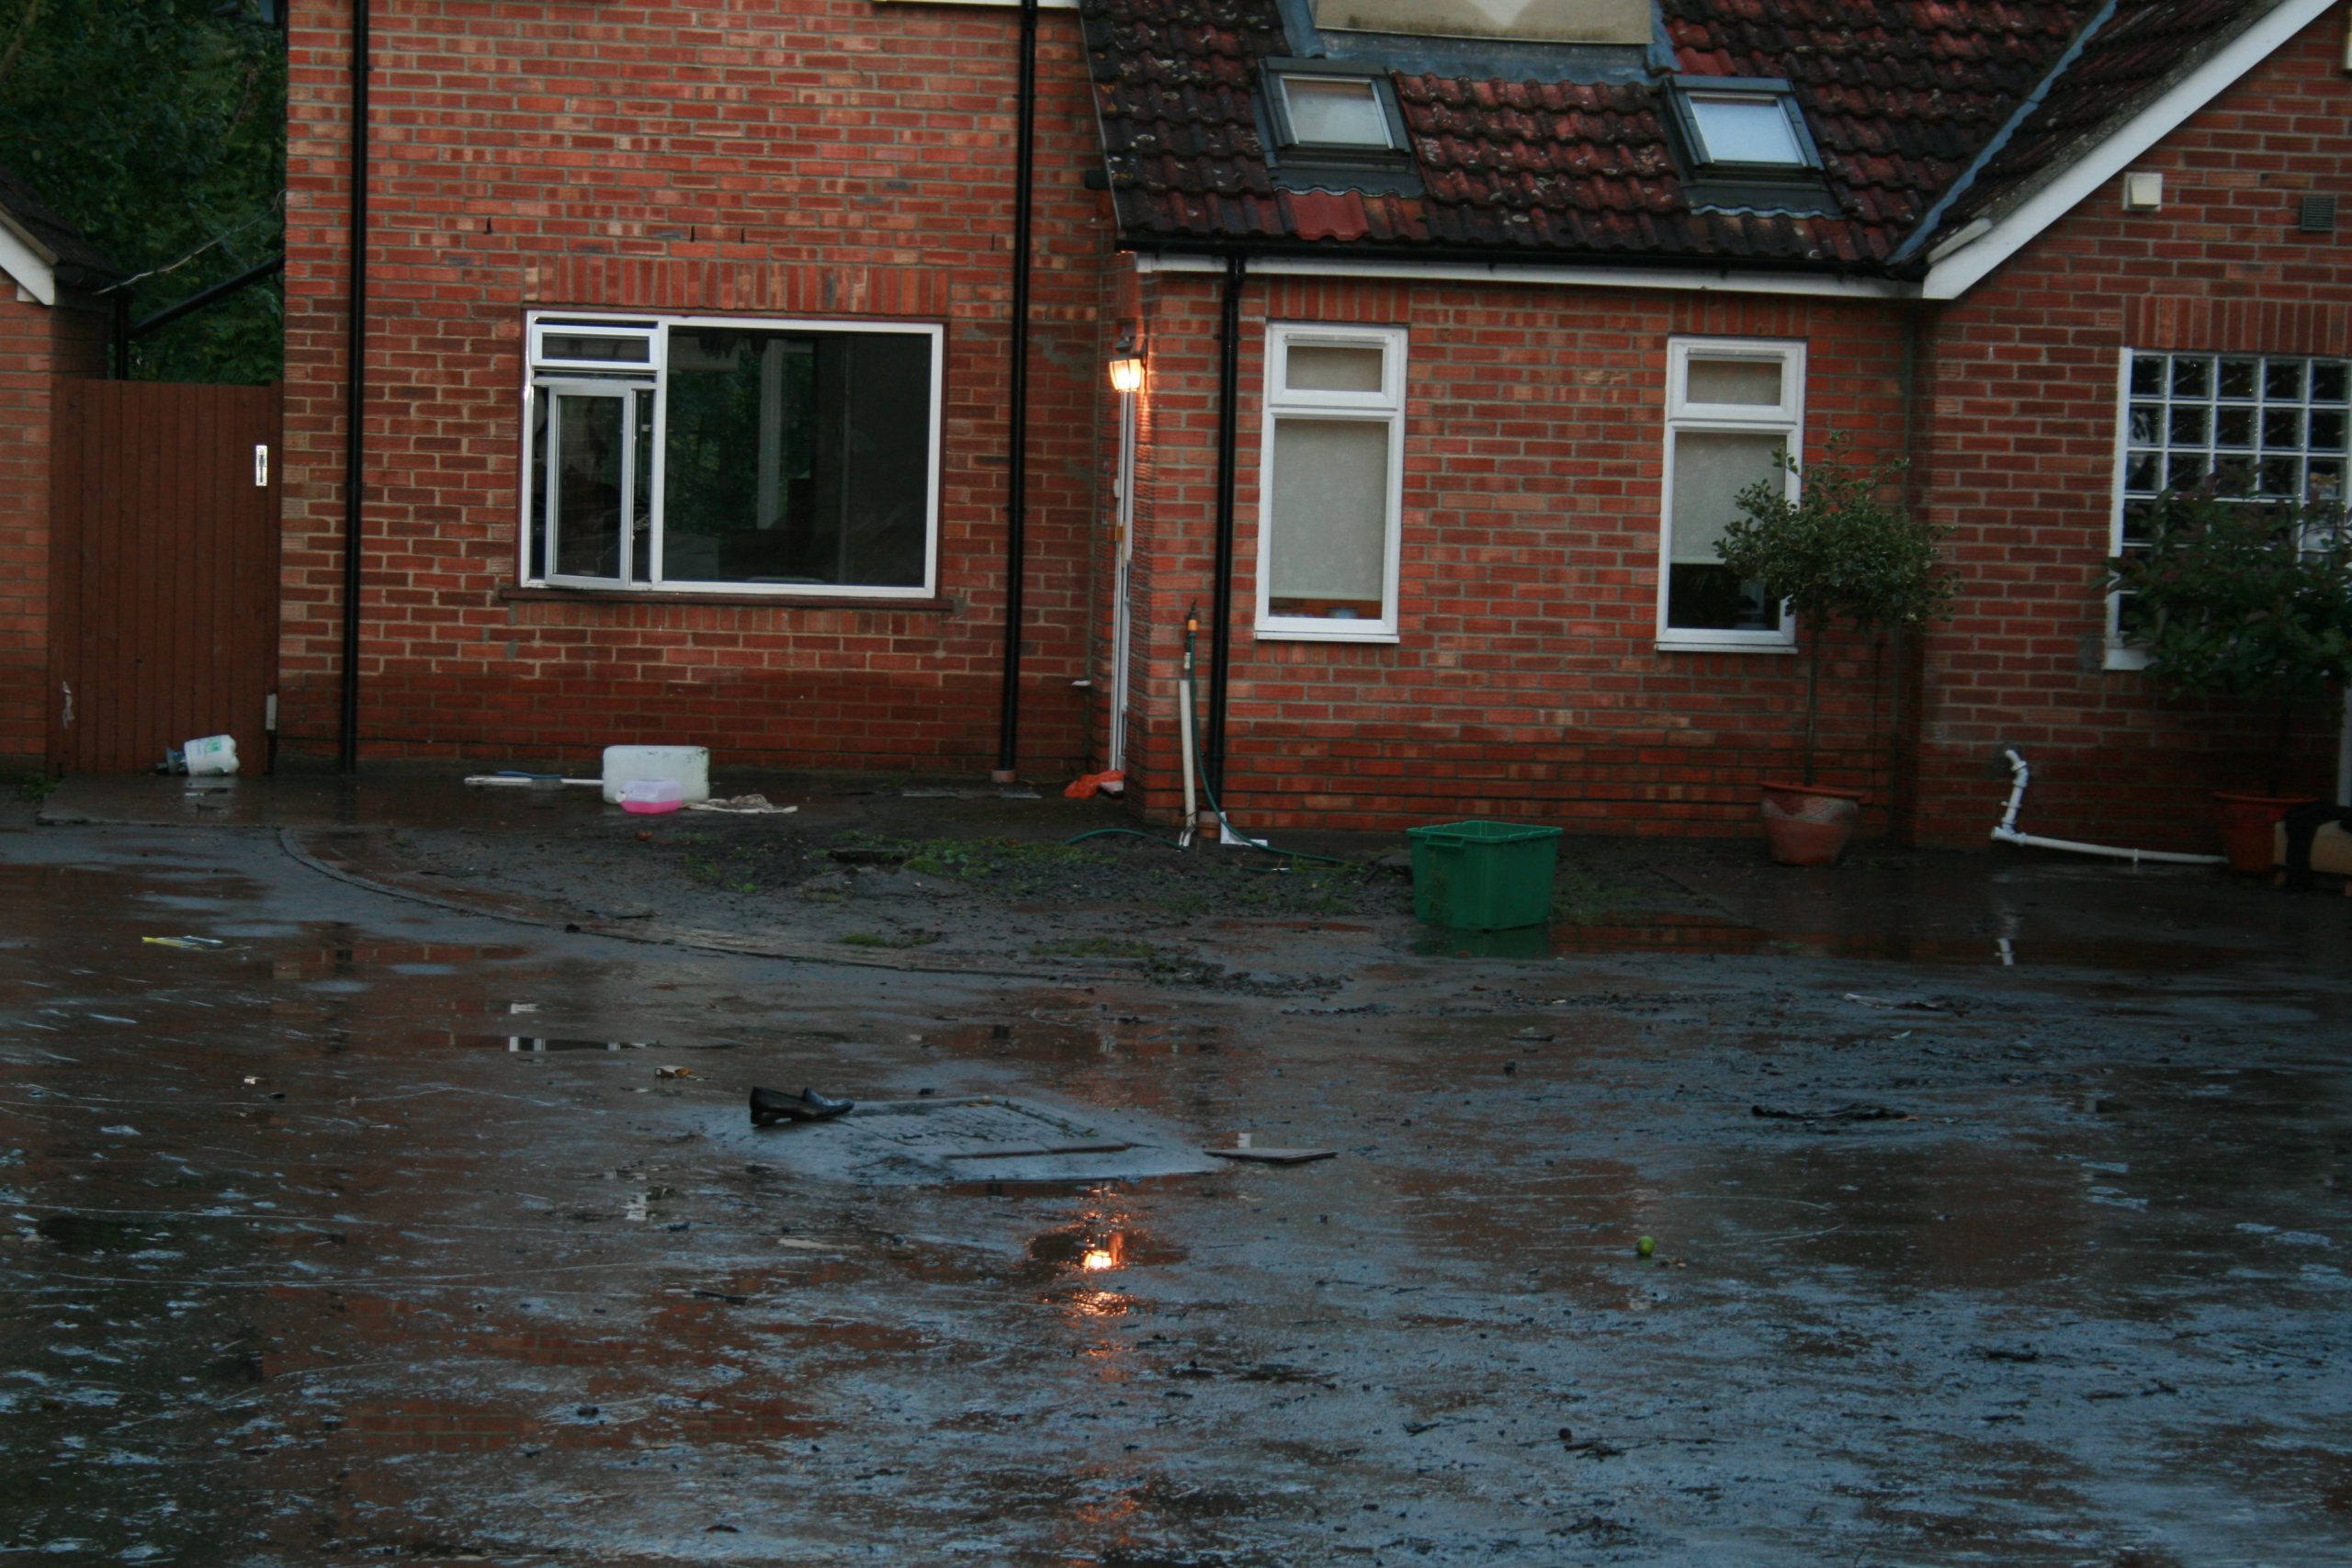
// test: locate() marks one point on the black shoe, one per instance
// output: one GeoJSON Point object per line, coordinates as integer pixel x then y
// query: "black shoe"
{"type": "Point", "coordinates": [773, 1105]}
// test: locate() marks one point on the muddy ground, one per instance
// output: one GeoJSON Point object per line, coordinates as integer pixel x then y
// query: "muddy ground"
{"type": "Point", "coordinates": [1998, 1206]}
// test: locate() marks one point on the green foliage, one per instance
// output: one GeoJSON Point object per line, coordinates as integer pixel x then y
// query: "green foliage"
{"type": "Point", "coordinates": [1845, 549]}
{"type": "Point", "coordinates": [158, 127]}
{"type": "Point", "coordinates": [2242, 598]}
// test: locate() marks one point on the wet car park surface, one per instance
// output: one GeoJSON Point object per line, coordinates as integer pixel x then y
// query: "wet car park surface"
{"type": "Point", "coordinates": [1996, 1221]}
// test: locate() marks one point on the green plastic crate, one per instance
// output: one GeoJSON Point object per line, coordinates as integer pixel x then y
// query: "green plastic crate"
{"type": "Point", "coordinates": [1482, 876]}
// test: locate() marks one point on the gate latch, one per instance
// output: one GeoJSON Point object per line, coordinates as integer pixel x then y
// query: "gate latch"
{"type": "Point", "coordinates": [261, 465]}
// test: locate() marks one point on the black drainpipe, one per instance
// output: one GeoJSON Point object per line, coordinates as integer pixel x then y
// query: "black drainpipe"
{"type": "Point", "coordinates": [355, 387]}
{"type": "Point", "coordinates": [1016, 481]}
{"type": "Point", "coordinates": [1229, 381]}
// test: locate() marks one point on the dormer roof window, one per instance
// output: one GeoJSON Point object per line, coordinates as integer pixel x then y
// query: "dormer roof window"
{"type": "Point", "coordinates": [1744, 145]}
{"type": "Point", "coordinates": [1335, 125]}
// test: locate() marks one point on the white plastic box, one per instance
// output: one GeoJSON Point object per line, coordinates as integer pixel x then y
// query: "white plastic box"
{"type": "Point", "coordinates": [687, 766]}
{"type": "Point", "coordinates": [212, 754]}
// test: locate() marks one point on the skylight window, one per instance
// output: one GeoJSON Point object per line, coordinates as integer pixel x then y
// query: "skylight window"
{"type": "Point", "coordinates": [1335, 111]}
{"type": "Point", "coordinates": [1744, 128]}
{"type": "Point", "coordinates": [1742, 131]}
{"type": "Point", "coordinates": [1334, 118]}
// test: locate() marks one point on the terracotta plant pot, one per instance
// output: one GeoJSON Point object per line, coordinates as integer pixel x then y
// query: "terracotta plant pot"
{"type": "Point", "coordinates": [1808, 824]}
{"type": "Point", "coordinates": [2249, 825]}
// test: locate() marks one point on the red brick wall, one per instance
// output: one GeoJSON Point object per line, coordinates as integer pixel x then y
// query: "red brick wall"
{"type": "Point", "coordinates": [38, 345]}
{"type": "Point", "coordinates": [832, 158]}
{"type": "Point", "coordinates": [2023, 387]}
{"type": "Point", "coordinates": [1528, 681]}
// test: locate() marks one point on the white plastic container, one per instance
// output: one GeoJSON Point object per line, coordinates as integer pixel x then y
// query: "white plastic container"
{"type": "Point", "coordinates": [212, 754]}
{"type": "Point", "coordinates": [651, 797]}
{"type": "Point", "coordinates": [687, 766]}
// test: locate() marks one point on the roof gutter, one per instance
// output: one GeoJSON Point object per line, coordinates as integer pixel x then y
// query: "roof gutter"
{"type": "Point", "coordinates": [1463, 267]}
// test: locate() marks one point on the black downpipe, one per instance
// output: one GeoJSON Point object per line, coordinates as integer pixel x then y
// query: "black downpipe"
{"type": "Point", "coordinates": [1228, 419]}
{"type": "Point", "coordinates": [1016, 481]}
{"type": "Point", "coordinates": [355, 387]}
{"type": "Point", "coordinates": [121, 302]}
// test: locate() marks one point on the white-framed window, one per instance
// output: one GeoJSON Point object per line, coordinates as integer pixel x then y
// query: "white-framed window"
{"type": "Point", "coordinates": [1733, 407]}
{"type": "Point", "coordinates": [731, 454]}
{"type": "Point", "coordinates": [2267, 427]}
{"type": "Point", "coordinates": [1331, 483]}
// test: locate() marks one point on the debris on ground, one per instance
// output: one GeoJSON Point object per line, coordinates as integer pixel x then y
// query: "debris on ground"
{"type": "Point", "coordinates": [1899, 1004]}
{"type": "Point", "coordinates": [743, 805]}
{"type": "Point", "coordinates": [191, 943]}
{"type": "Point", "coordinates": [1852, 1111]}
{"type": "Point", "coordinates": [1271, 1156]}
{"type": "Point", "coordinates": [673, 1072]}
{"type": "Point", "coordinates": [773, 1105]}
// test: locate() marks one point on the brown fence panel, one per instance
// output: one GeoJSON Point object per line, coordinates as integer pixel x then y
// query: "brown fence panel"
{"type": "Point", "coordinates": [162, 571]}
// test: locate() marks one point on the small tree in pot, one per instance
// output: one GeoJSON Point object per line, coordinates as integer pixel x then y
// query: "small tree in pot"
{"type": "Point", "coordinates": [1845, 549]}
{"type": "Point", "coordinates": [2243, 598]}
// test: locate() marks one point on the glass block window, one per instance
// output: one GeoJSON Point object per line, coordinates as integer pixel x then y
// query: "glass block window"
{"type": "Point", "coordinates": [2266, 427]}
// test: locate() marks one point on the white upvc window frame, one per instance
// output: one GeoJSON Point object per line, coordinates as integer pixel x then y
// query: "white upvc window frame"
{"type": "Point", "coordinates": [651, 380]}
{"type": "Point", "coordinates": [2170, 453]}
{"type": "Point", "coordinates": [1384, 407]}
{"type": "Point", "coordinates": [1683, 417]}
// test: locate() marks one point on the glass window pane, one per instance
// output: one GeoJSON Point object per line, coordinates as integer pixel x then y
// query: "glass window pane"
{"type": "Point", "coordinates": [1710, 468]}
{"type": "Point", "coordinates": [1330, 112]}
{"type": "Point", "coordinates": [2191, 377]}
{"type": "Point", "coordinates": [2282, 427]}
{"type": "Point", "coordinates": [2185, 470]}
{"type": "Point", "coordinates": [2143, 474]}
{"type": "Point", "coordinates": [587, 502]}
{"type": "Point", "coordinates": [1744, 130]}
{"type": "Point", "coordinates": [1310, 367]}
{"type": "Point", "coordinates": [2233, 427]}
{"type": "Point", "coordinates": [2188, 424]}
{"type": "Point", "coordinates": [603, 350]}
{"type": "Point", "coordinates": [2238, 378]}
{"type": "Point", "coordinates": [2327, 383]}
{"type": "Point", "coordinates": [2282, 379]}
{"type": "Point", "coordinates": [1326, 525]}
{"type": "Point", "coordinates": [797, 458]}
{"type": "Point", "coordinates": [1752, 383]}
{"type": "Point", "coordinates": [2148, 376]}
{"type": "Point", "coordinates": [2147, 424]}
{"type": "Point", "coordinates": [2327, 430]}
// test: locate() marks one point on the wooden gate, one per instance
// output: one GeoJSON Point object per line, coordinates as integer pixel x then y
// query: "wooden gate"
{"type": "Point", "coordinates": [162, 571]}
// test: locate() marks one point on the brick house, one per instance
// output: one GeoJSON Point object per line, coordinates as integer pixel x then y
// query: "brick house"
{"type": "Point", "coordinates": [689, 342]}
{"type": "Point", "coordinates": [52, 325]}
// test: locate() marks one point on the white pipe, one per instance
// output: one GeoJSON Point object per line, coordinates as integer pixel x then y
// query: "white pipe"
{"type": "Point", "coordinates": [1184, 743]}
{"type": "Point", "coordinates": [2005, 833]}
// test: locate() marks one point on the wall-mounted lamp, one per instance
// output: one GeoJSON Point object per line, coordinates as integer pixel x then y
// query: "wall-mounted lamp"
{"type": "Point", "coordinates": [1127, 375]}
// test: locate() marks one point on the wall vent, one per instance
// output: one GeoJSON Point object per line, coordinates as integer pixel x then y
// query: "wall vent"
{"type": "Point", "coordinates": [2318, 215]}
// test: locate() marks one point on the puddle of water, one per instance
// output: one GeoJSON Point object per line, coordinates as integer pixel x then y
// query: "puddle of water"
{"type": "Point", "coordinates": [1673, 933]}
{"type": "Point", "coordinates": [538, 1044]}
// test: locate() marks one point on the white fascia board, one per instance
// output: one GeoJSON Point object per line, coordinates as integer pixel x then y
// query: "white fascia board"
{"type": "Point", "coordinates": [1960, 270]}
{"type": "Point", "coordinates": [28, 263]}
{"type": "Point", "coordinates": [1679, 279]}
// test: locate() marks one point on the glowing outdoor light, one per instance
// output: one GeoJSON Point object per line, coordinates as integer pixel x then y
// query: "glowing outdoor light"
{"type": "Point", "coordinates": [1127, 375]}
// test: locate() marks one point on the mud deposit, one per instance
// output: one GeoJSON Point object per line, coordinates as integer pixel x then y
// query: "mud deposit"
{"type": "Point", "coordinates": [390, 1232]}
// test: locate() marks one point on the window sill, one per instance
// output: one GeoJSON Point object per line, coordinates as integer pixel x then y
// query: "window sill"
{"type": "Point", "coordinates": [2123, 657]}
{"type": "Point", "coordinates": [533, 593]}
{"type": "Point", "coordinates": [1724, 645]}
{"type": "Point", "coordinates": [1315, 634]}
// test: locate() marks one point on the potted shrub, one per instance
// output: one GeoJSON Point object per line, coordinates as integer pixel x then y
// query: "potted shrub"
{"type": "Point", "coordinates": [2246, 598]}
{"type": "Point", "coordinates": [1845, 550]}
